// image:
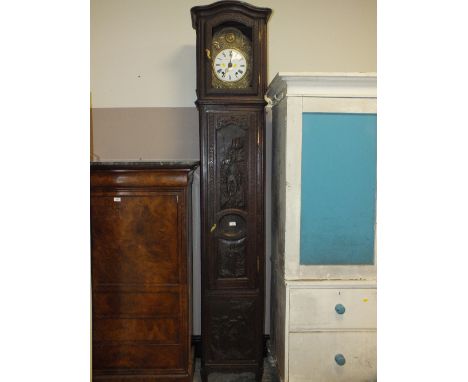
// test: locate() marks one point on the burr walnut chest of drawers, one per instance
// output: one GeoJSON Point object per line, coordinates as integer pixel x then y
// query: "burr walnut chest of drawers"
{"type": "Point", "coordinates": [141, 271]}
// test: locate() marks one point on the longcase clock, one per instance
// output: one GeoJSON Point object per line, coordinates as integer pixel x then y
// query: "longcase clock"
{"type": "Point", "coordinates": [231, 83]}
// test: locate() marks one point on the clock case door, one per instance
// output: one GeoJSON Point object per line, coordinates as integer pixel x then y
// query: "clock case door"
{"type": "Point", "coordinates": [232, 126]}
{"type": "Point", "coordinates": [233, 202]}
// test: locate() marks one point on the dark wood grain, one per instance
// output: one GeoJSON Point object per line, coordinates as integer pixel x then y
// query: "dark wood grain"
{"type": "Point", "coordinates": [141, 272]}
{"type": "Point", "coordinates": [232, 149]}
{"type": "Point", "coordinates": [131, 304]}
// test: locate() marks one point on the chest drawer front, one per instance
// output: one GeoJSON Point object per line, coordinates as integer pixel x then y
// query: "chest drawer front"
{"type": "Point", "coordinates": [135, 239]}
{"type": "Point", "coordinates": [312, 357]}
{"type": "Point", "coordinates": [151, 330]}
{"type": "Point", "coordinates": [313, 309]}
{"type": "Point", "coordinates": [141, 356]}
{"type": "Point", "coordinates": [136, 304]}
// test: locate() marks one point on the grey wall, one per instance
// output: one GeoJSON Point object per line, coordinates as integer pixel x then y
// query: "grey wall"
{"type": "Point", "coordinates": [167, 133]}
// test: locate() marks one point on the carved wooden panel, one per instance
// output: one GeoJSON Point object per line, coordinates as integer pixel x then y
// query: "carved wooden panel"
{"type": "Point", "coordinates": [231, 258]}
{"type": "Point", "coordinates": [233, 330]}
{"type": "Point", "coordinates": [233, 153]}
{"type": "Point", "coordinates": [232, 245]}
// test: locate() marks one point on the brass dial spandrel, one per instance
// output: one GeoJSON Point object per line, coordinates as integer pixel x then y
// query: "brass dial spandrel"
{"type": "Point", "coordinates": [232, 39]}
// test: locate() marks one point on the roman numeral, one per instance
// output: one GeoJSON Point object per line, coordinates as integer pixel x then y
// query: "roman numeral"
{"type": "Point", "coordinates": [240, 71]}
{"type": "Point", "coordinates": [220, 70]}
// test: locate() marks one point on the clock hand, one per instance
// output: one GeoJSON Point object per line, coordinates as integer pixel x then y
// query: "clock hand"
{"type": "Point", "coordinates": [230, 60]}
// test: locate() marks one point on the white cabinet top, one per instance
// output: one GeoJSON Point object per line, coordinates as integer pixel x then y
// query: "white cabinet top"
{"type": "Point", "coordinates": [322, 84]}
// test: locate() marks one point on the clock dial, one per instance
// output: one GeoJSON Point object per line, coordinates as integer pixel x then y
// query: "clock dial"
{"type": "Point", "coordinates": [230, 65]}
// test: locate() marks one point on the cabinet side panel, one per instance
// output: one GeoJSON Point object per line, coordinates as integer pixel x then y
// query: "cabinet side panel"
{"type": "Point", "coordinates": [278, 188]}
{"type": "Point", "coordinates": [278, 321]}
{"type": "Point", "coordinates": [278, 196]}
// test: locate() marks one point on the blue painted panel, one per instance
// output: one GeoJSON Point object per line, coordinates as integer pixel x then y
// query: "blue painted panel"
{"type": "Point", "coordinates": [338, 191]}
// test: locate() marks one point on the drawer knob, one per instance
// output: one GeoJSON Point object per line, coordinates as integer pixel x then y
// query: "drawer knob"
{"type": "Point", "coordinates": [340, 359]}
{"type": "Point", "coordinates": [340, 309]}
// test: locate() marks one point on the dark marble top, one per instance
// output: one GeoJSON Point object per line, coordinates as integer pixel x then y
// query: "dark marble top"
{"type": "Point", "coordinates": [177, 165]}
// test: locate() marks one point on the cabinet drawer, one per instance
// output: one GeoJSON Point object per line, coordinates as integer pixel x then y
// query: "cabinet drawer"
{"type": "Point", "coordinates": [135, 240]}
{"type": "Point", "coordinates": [136, 304]}
{"type": "Point", "coordinates": [155, 330]}
{"type": "Point", "coordinates": [312, 309]}
{"type": "Point", "coordinates": [136, 356]}
{"type": "Point", "coordinates": [312, 357]}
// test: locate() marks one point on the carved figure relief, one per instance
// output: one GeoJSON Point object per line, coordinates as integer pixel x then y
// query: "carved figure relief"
{"type": "Point", "coordinates": [232, 176]}
{"type": "Point", "coordinates": [231, 258]}
{"type": "Point", "coordinates": [232, 156]}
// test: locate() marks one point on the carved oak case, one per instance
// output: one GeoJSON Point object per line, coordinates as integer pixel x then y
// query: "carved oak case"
{"type": "Point", "coordinates": [231, 83]}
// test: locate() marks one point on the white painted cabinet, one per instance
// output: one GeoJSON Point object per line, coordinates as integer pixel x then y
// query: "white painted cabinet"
{"type": "Point", "coordinates": [323, 296]}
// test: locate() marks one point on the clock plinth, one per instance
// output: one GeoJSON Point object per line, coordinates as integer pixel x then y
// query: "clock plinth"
{"type": "Point", "coordinates": [231, 37]}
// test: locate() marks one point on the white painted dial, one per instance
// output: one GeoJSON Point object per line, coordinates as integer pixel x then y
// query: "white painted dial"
{"type": "Point", "coordinates": [230, 65]}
